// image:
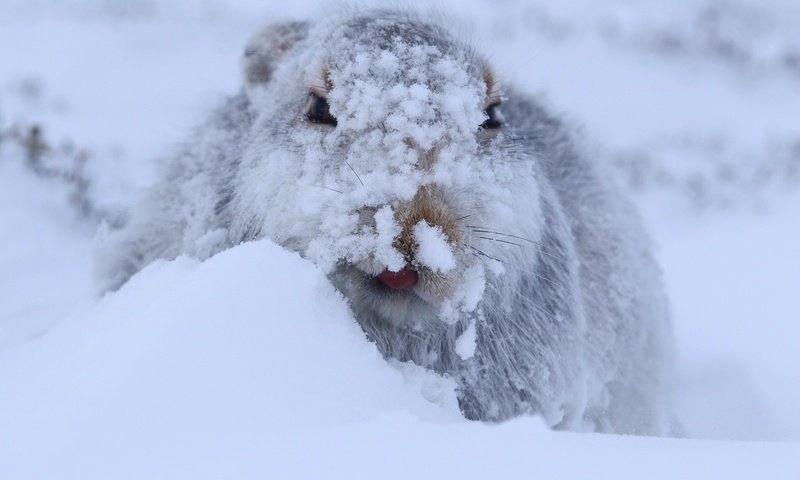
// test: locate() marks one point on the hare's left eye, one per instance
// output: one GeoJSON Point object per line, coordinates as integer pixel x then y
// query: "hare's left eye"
{"type": "Point", "coordinates": [319, 111]}
{"type": "Point", "coordinates": [494, 120]}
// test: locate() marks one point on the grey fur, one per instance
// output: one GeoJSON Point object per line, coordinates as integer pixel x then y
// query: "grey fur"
{"type": "Point", "coordinates": [576, 330]}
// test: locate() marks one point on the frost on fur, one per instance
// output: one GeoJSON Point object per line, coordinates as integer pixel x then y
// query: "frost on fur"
{"type": "Point", "coordinates": [468, 233]}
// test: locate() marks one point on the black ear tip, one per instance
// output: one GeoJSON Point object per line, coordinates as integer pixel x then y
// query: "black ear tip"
{"type": "Point", "coordinates": [267, 47]}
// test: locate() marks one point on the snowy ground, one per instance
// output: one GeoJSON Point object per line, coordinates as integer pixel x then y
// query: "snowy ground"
{"type": "Point", "coordinates": [248, 364]}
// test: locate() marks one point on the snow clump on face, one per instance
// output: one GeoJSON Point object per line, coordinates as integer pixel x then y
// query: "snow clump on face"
{"type": "Point", "coordinates": [406, 114]}
{"type": "Point", "coordinates": [402, 95]}
{"type": "Point", "coordinates": [434, 250]}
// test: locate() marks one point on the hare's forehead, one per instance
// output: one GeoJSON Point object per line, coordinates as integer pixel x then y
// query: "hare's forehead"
{"type": "Point", "coordinates": [390, 49]}
{"type": "Point", "coordinates": [397, 63]}
{"type": "Point", "coordinates": [401, 63]}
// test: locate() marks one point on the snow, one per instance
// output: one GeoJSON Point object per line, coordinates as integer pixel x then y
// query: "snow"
{"type": "Point", "coordinates": [387, 230]}
{"type": "Point", "coordinates": [741, 334]}
{"type": "Point", "coordinates": [467, 342]}
{"type": "Point", "coordinates": [250, 365]}
{"type": "Point", "coordinates": [434, 251]}
{"type": "Point", "coordinates": [467, 295]}
{"type": "Point", "coordinates": [45, 255]}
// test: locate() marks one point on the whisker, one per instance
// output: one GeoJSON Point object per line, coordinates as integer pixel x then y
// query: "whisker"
{"type": "Point", "coordinates": [552, 283]}
{"type": "Point", "coordinates": [484, 254]}
{"type": "Point", "coordinates": [538, 307]}
{"type": "Point", "coordinates": [354, 173]}
{"type": "Point", "coordinates": [553, 256]}
{"type": "Point", "coordinates": [480, 253]}
{"type": "Point", "coordinates": [478, 229]}
{"type": "Point", "coordinates": [501, 241]}
{"type": "Point", "coordinates": [329, 188]}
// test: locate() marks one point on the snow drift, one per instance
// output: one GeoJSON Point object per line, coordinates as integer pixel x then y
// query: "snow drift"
{"type": "Point", "coordinates": [249, 365]}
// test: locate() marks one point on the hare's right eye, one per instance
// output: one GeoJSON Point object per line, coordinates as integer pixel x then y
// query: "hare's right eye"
{"type": "Point", "coordinates": [493, 118]}
{"type": "Point", "coordinates": [319, 111]}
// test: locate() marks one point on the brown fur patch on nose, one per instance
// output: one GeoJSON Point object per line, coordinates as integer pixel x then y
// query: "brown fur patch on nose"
{"type": "Point", "coordinates": [428, 205]}
{"type": "Point", "coordinates": [493, 94]}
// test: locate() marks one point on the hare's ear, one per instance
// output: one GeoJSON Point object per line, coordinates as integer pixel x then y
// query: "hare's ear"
{"type": "Point", "coordinates": [266, 48]}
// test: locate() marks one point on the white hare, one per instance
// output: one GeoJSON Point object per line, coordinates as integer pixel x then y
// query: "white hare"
{"type": "Point", "coordinates": [468, 233]}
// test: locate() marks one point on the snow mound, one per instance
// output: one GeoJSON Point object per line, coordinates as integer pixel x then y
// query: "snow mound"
{"type": "Point", "coordinates": [249, 365]}
{"type": "Point", "coordinates": [252, 344]}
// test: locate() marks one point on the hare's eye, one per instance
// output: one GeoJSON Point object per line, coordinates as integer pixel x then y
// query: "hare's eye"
{"type": "Point", "coordinates": [319, 111]}
{"type": "Point", "coordinates": [494, 120]}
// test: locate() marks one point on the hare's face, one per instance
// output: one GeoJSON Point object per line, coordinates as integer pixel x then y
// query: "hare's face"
{"type": "Point", "coordinates": [390, 154]}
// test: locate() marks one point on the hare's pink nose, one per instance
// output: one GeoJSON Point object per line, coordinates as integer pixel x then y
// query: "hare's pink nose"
{"type": "Point", "coordinates": [405, 278]}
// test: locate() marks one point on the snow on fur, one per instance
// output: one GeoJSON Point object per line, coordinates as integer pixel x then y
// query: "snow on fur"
{"type": "Point", "coordinates": [434, 250]}
{"type": "Point", "coordinates": [572, 327]}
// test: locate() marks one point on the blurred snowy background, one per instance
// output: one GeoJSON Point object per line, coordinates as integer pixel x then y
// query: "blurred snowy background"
{"type": "Point", "coordinates": [223, 370]}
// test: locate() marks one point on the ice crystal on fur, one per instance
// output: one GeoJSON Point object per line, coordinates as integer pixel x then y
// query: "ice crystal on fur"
{"type": "Point", "coordinates": [433, 251]}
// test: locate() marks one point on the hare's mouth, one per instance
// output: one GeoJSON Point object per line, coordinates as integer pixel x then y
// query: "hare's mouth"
{"type": "Point", "coordinates": [403, 279]}
{"type": "Point", "coordinates": [406, 297]}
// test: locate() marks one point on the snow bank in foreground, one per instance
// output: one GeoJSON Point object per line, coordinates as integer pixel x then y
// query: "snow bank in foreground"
{"type": "Point", "coordinates": [249, 365]}
{"type": "Point", "coordinates": [43, 253]}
